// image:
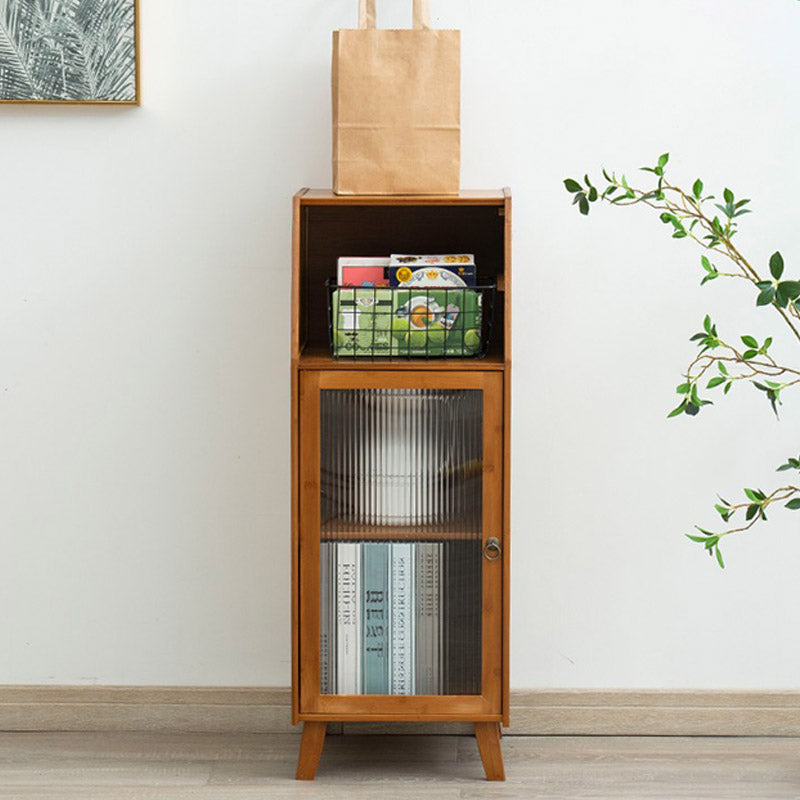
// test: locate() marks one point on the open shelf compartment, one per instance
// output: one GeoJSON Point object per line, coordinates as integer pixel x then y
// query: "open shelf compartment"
{"type": "Point", "coordinates": [329, 227]}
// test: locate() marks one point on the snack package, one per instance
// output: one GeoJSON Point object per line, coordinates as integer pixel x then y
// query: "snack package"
{"type": "Point", "coordinates": [362, 321]}
{"type": "Point", "coordinates": [415, 262]}
{"type": "Point", "coordinates": [362, 271]}
{"type": "Point", "coordinates": [436, 322]}
{"type": "Point", "coordinates": [447, 270]}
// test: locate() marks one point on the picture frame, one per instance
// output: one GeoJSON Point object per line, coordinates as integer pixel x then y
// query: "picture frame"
{"type": "Point", "coordinates": [70, 52]}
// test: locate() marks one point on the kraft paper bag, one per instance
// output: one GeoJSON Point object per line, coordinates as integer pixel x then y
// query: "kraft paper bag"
{"type": "Point", "coordinates": [396, 107]}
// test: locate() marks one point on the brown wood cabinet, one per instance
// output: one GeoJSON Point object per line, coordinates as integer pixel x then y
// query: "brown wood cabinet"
{"type": "Point", "coordinates": [400, 474]}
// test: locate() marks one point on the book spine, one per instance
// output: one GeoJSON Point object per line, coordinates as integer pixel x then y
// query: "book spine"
{"type": "Point", "coordinates": [348, 618]}
{"type": "Point", "coordinates": [402, 618]}
{"type": "Point", "coordinates": [425, 618]}
{"type": "Point", "coordinates": [324, 618]}
{"type": "Point", "coordinates": [332, 671]}
{"type": "Point", "coordinates": [375, 622]}
{"type": "Point", "coordinates": [436, 590]}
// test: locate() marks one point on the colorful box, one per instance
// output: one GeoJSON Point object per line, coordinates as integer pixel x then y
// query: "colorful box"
{"type": "Point", "coordinates": [362, 271]}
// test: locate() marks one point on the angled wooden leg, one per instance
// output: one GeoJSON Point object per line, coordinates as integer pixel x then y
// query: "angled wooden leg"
{"type": "Point", "coordinates": [488, 736]}
{"type": "Point", "coordinates": [310, 750]}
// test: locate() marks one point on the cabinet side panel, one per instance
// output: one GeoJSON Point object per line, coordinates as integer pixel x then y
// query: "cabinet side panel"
{"type": "Point", "coordinates": [507, 466]}
{"type": "Point", "coordinates": [308, 542]}
{"type": "Point", "coordinates": [493, 606]}
{"type": "Point", "coordinates": [294, 434]}
{"type": "Point", "coordinates": [295, 542]}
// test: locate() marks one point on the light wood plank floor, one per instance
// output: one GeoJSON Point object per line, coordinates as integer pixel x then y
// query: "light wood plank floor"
{"type": "Point", "coordinates": [152, 766]}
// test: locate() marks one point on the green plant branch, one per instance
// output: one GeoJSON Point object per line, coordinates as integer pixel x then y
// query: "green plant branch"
{"type": "Point", "coordinates": [686, 212]}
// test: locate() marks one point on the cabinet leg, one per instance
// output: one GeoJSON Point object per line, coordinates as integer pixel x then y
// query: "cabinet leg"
{"type": "Point", "coordinates": [310, 750]}
{"type": "Point", "coordinates": [488, 736]}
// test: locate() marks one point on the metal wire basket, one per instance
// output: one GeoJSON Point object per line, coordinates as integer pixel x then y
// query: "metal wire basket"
{"type": "Point", "coordinates": [400, 322]}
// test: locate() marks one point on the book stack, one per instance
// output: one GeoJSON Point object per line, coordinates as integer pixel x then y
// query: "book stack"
{"type": "Point", "coordinates": [400, 617]}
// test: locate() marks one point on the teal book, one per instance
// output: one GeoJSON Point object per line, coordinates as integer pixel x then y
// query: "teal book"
{"type": "Point", "coordinates": [375, 623]}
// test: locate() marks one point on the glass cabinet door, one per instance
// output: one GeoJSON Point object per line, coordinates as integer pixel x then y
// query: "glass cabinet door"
{"type": "Point", "coordinates": [400, 595]}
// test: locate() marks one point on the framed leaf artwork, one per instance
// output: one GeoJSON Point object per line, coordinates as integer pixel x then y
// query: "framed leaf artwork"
{"type": "Point", "coordinates": [69, 51]}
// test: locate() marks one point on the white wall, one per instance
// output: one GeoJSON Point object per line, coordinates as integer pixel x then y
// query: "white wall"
{"type": "Point", "coordinates": [144, 467]}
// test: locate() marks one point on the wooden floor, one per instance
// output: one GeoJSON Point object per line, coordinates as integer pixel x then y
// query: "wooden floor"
{"type": "Point", "coordinates": [150, 766]}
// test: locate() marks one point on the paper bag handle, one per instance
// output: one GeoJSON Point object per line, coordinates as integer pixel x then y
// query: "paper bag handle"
{"type": "Point", "coordinates": [421, 16]}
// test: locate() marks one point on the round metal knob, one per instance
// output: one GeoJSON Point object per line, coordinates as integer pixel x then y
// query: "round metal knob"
{"type": "Point", "coordinates": [492, 550]}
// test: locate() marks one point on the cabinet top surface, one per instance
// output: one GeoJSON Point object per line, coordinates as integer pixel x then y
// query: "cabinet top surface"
{"type": "Point", "coordinates": [465, 197]}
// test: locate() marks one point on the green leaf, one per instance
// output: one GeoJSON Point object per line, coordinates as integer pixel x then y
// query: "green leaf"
{"type": "Point", "coordinates": [697, 188]}
{"type": "Point", "coordinates": [766, 296]}
{"type": "Point", "coordinates": [719, 557]}
{"type": "Point", "coordinates": [748, 354]}
{"type": "Point", "coordinates": [751, 495]}
{"type": "Point", "coordinates": [750, 341]}
{"type": "Point", "coordinates": [776, 265]}
{"type": "Point", "coordinates": [606, 175]}
{"type": "Point", "coordinates": [789, 289]}
{"type": "Point", "coordinates": [701, 539]}
{"type": "Point", "coordinates": [728, 195]}
{"type": "Point", "coordinates": [592, 194]}
{"type": "Point", "coordinates": [683, 388]}
{"type": "Point", "coordinates": [727, 387]}
{"type": "Point", "coordinates": [722, 368]}
{"type": "Point", "coordinates": [707, 324]}
{"type": "Point", "coordinates": [662, 160]}
{"type": "Point", "coordinates": [679, 410]}
{"type": "Point", "coordinates": [752, 510]}
{"type": "Point", "coordinates": [794, 505]}
{"type": "Point", "coordinates": [572, 186]}
{"type": "Point", "coordinates": [715, 382]}
{"type": "Point", "coordinates": [583, 205]}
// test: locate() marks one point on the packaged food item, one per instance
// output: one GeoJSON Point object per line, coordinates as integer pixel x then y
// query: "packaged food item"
{"type": "Point", "coordinates": [437, 322]}
{"type": "Point", "coordinates": [362, 271]}
{"type": "Point", "coordinates": [442, 270]}
{"type": "Point", "coordinates": [362, 321]}
{"type": "Point", "coordinates": [448, 261]}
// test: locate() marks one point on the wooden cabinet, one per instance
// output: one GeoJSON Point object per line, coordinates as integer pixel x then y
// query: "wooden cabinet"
{"type": "Point", "coordinates": [400, 476]}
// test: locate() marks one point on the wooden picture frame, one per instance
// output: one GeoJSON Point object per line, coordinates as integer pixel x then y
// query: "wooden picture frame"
{"type": "Point", "coordinates": [67, 58]}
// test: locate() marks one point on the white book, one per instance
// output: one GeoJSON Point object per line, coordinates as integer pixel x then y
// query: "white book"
{"type": "Point", "coordinates": [402, 618]}
{"type": "Point", "coordinates": [428, 617]}
{"type": "Point", "coordinates": [348, 618]}
{"type": "Point", "coordinates": [324, 618]}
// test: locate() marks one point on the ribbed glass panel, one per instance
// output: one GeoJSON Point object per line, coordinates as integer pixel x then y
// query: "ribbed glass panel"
{"type": "Point", "coordinates": [400, 551]}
